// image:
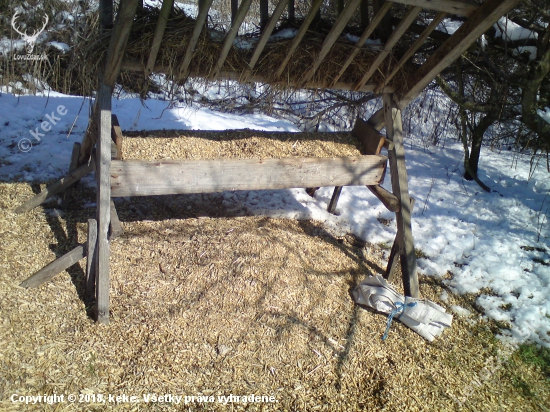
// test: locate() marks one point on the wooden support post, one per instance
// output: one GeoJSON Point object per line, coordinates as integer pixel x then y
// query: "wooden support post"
{"type": "Point", "coordinates": [72, 167]}
{"type": "Point", "coordinates": [400, 188]}
{"type": "Point", "coordinates": [116, 136]}
{"type": "Point", "coordinates": [334, 200]}
{"type": "Point", "coordinates": [364, 13]}
{"type": "Point", "coordinates": [103, 202]}
{"type": "Point", "coordinates": [55, 188]}
{"type": "Point", "coordinates": [331, 38]}
{"type": "Point", "coordinates": [105, 15]}
{"type": "Point", "coordinates": [384, 29]}
{"type": "Point", "coordinates": [264, 13]}
{"type": "Point", "coordinates": [55, 267]}
{"type": "Point", "coordinates": [159, 32]}
{"type": "Point", "coordinates": [391, 269]}
{"type": "Point", "coordinates": [291, 11]}
{"type": "Point", "coordinates": [299, 36]}
{"type": "Point", "coordinates": [90, 292]}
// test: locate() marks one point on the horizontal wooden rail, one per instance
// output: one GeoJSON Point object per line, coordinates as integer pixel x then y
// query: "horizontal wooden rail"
{"type": "Point", "coordinates": [144, 178]}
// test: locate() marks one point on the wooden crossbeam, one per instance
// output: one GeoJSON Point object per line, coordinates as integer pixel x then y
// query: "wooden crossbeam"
{"type": "Point", "coordinates": [480, 21]}
{"type": "Point", "coordinates": [459, 7]}
{"type": "Point", "coordinates": [392, 41]}
{"type": "Point", "coordinates": [159, 32]}
{"type": "Point", "coordinates": [331, 38]}
{"type": "Point", "coordinates": [400, 188]}
{"type": "Point", "coordinates": [299, 36]}
{"type": "Point", "coordinates": [265, 37]}
{"type": "Point", "coordinates": [412, 50]}
{"type": "Point", "coordinates": [199, 25]}
{"type": "Point", "coordinates": [230, 36]}
{"type": "Point", "coordinates": [142, 178]}
{"type": "Point", "coordinates": [368, 31]}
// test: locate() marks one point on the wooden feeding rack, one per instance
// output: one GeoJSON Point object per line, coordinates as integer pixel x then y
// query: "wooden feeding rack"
{"type": "Point", "coordinates": [138, 178]}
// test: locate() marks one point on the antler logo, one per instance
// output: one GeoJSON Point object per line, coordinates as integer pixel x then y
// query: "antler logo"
{"type": "Point", "coordinates": [29, 40]}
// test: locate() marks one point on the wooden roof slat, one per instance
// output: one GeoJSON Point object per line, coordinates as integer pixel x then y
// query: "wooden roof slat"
{"type": "Point", "coordinates": [118, 41]}
{"type": "Point", "coordinates": [333, 35]}
{"type": "Point", "coordinates": [265, 37]}
{"type": "Point", "coordinates": [159, 32]}
{"type": "Point", "coordinates": [459, 7]}
{"type": "Point", "coordinates": [230, 36]}
{"type": "Point", "coordinates": [413, 49]}
{"type": "Point", "coordinates": [456, 45]}
{"type": "Point", "coordinates": [392, 41]}
{"type": "Point", "coordinates": [300, 35]}
{"type": "Point", "coordinates": [199, 25]}
{"type": "Point", "coordinates": [368, 31]}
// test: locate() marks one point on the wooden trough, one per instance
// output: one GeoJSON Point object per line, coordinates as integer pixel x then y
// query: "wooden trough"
{"type": "Point", "coordinates": [139, 178]}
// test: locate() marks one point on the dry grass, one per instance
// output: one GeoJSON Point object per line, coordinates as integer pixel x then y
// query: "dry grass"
{"type": "Point", "coordinates": [178, 32]}
{"type": "Point", "coordinates": [228, 305]}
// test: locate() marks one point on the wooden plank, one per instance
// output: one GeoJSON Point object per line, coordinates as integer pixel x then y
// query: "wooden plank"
{"type": "Point", "coordinates": [72, 167]}
{"type": "Point", "coordinates": [331, 38]}
{"type": "Point", "coordinates": [480, 21]}
{"type": "Point", "coordinates": [299, 36]}
{"type": "Point", "coordinates": [412, 50]}
{"type": "Point", "coordinates": [116, 136]}
{"type": "Point", "coordinates": [400, 188]}
{"type": "Point", "coordinates": [54, 189]}
{"type": "Point", "coordinates": [368, 31]}
{"type": "Point", "coordinates": [159, 33]}
{"type": "Point", "coordinates": [119, 39]}
{"type": "Point", "coordinates": [90, 291]}
{"type": "Point", "coordinates": [103, 202]}
{"type": "Point", "coordinates": [142, 178]}
{"type": "Point", "coordinates": [230, 36]}
{"type": "Point", "coordinates": [115, 230]}
{"type": "Point", "coordinates": [199, 25]}
{"type": "Point", "coordinates": [392, 41]}
{"type": "Point", "coordinates": [458, 7]}
{"type": "Point", "coordinates": [264, 38]}
{"type": "Point", "coordinates": [334, 199]}
{"type": "Point", "coordinates": [371, 139]}
{"type": "Point", "coordinates": [55, 267]}
{"type": "Point", "coordinates": [391, 268]}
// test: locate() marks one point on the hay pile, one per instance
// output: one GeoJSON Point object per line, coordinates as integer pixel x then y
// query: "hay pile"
{"type": "Point", "coordinates": [179, 29]}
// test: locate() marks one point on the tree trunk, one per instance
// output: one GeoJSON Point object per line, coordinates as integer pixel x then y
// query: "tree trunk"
{"type": "Point", "coordinates": [477, 139]}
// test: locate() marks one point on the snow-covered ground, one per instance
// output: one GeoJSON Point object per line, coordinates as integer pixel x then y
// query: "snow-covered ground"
{"type": "Point", "coordinates": [496, 241]}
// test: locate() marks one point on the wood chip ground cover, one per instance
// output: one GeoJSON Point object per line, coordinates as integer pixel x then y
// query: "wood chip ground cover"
{"type": "Point", "coordinates": [205, 303]}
